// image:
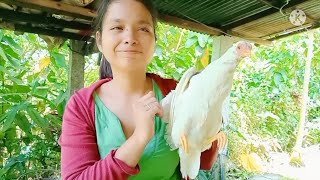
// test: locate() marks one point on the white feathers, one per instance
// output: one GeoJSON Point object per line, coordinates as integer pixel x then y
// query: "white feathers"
{"type": "Point", "coordinates": [195, 109]}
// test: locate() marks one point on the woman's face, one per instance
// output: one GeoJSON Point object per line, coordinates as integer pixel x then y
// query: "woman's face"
{"type": "Point", "coordinates": [127, 39]}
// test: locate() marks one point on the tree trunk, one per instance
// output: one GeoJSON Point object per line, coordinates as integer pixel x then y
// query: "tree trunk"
{"type": "Point", "coordinates": [296, 153]}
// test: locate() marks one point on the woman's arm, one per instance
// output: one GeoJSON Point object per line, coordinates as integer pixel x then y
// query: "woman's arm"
{"type": "Point", "coordinates": [80, 157]}
{"type": "Point", "coordinates": [209, 157]}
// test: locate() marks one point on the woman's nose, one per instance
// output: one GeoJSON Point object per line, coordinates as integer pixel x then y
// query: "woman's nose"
{"type": "Point", "coordinates": [130, 37]}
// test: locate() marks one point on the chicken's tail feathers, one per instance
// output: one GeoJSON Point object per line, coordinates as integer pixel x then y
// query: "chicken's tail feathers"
{"type": "Point", "coordinates": [189, 163]}
{"type": "Point", "coordinates": [180, 88]}
{"type": "Point", "coordinates": [166, 105]}
{"type": "Point", "coordinates": [168, 137]}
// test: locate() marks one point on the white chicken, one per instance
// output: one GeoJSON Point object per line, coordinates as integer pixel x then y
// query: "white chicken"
{"type": "Point", "coordinates": [193, 109]}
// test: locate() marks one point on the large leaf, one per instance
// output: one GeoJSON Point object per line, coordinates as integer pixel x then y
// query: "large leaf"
{"type": "Point", "coordinates": [40, 91]}
{"type": "Point", "coordinates": [15, 80]}
{"type": "Point", "coordinates": [277, 78]}
{"type": "Point", "coordinates": [13, 45]}
{"type": "Point", "coordinates": [1, 35]}
{"type": "Point", "coordinates": [11, 114]}
{"type": "Point", "coordinates": [191, 41]}
{"type": "Point", "coordinates": [23, 123]}
{"type": "Point", "coordinates": [9, 119]}
{"type": "Point", "coordinates": [36, 117]}
{"type": "Point", "coordinates": [4, 70]}
{"type": "Point", "coordinates": [22, 88]}
{"type": "Point", "coordinates": [202, 39]}
{"type": "Point", "coordinates": [59, 60]}
{"type": "Point", "coordinates": [3, 54]}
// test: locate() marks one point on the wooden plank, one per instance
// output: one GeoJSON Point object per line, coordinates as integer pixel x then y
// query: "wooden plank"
{"type": "Point", "coordinates": [54, 33]}
{"type": "Point", "coordinates": [190, 25]}
{"type": "Point", "coordinates": [55, 7]}
{"type": "Point", "coordinates": [14, 16]}
{"type": "Point", "coordinates": [296, 30]}
{"type": "Point", "coordinates": [207, 29]}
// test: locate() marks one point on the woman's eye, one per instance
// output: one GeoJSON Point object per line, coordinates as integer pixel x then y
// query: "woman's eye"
{"type": "Point", "coordinates": [116, 28]}
{"type": "Point", "coordinates": [144, 29]}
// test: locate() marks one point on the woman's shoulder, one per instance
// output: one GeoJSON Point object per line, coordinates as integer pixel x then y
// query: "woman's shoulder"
{"type": "Point", "coordinates": [165, 84]}
{"type": "Point", "coordinates": [87, 92]}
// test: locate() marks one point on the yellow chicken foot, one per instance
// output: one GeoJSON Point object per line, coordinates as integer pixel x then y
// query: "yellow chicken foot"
{"type": "Point", "coordinates": [221, 137]}
{"type": "Point", "coordinates": [184, 143]}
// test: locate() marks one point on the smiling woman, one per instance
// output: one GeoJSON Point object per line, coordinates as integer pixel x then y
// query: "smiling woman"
{"type": "Point", "coordinates": [113, 129]}
{"type": "Point", "coordinates": [145, 25]}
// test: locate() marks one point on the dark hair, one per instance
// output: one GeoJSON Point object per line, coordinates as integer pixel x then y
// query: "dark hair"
{"type": "Point", "coordinates": [105, 68]}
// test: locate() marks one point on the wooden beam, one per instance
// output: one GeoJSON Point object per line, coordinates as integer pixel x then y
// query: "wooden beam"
{"type": "Point", "coordinates": [50, 32]}
{"type": "Point", "coordinates": [182, 23]}
{"type": "Point", "coordinates": [14, 16]}
{"type": "Point", "coordinates": [55, 7]}
{"type": "Point", "coordinates": [207, 29]}
{"type": "Point", "coordinates": [296, 30]}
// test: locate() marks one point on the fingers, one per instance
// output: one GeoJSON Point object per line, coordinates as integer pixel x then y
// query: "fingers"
{"type": "Point", "coordinates": [151, 104]}
{"type": "Point", "coordinates": [157, 109]}
{"type": "Point", "coordinates": [149, 95]}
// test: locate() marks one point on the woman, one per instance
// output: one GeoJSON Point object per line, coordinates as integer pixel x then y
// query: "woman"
{"type": "Point", "coordinates": [113, 129]}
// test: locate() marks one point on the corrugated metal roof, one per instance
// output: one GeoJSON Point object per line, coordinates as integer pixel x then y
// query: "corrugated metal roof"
{"type": "Point", "coordinates": [251, 19]}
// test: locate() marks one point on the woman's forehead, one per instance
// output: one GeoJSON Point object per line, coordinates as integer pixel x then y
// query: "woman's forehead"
{"type": "Point", "coordinates": [128, 10]}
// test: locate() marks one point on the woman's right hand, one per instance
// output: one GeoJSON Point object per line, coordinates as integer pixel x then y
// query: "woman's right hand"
{"type": "Point", "coordinates": [144, 111]}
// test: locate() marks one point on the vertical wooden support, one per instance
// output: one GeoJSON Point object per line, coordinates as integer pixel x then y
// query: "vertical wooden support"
{"type": "Point", "coordinates": [221, 44]}
{"type": "Point", "coordinates": [76, 67]}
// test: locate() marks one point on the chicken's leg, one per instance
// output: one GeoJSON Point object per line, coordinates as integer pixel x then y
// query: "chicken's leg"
{"type": "Point", "coordinates": [184, 143]}
{"type": "Point", "coordinates": [221, 137]}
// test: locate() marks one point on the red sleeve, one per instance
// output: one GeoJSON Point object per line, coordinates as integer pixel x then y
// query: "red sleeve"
{"type": "Point", "coordinates": [209, 157]}
{"type": "Point", "coordinates": [80, 157]}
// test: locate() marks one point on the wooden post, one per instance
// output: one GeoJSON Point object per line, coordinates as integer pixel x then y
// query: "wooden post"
{"type": "Point", "coordinates": [76, 66]}
{"type": "Point", "coordinates": [221, 44]}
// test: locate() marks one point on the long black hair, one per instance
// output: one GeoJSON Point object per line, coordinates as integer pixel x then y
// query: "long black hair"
{"type": "Point", "coordinates": [105, 68]}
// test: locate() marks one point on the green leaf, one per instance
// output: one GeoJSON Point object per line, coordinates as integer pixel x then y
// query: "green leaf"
{"type": "Point", "coordinates": [2, 117]}
{"type": "Point", "coordinates": [61, 97]}
{"type": "Point", "coordinates": [13, 45]}
{"type": "Point", "coordinates": [15, 80]}
{"type": "Point", "coordinates": [191, 41]}
{"type": "Point", "coordinates": [14, 62]}
{"type": "Point", "coordinates": [35, 116]}
{"type": "Point", "coordinates": [3, 55]}
{"type": "Point", "coordinates": [1, 35]}
{"type": "Point", "coordinates": [4, 70]}
{"type": "Point", "coordinates": [59, 60]}
{"type": "Point", "coordinates": [11, 114]}
{"type": "Point", "coordinates": [23, 123]}
{"type": "Point", "coordinates": [202, 40]}
{"type": "Point", "coordinates": [55, 119]}
{"type": "Point", "coordinates": [22, 88]}
{"type": "Point", "coordinates": [41, 91]}
{"type": "Point", "coordinates": [277, 79]}
{"type": "Point", "coordinates": [10, 118]}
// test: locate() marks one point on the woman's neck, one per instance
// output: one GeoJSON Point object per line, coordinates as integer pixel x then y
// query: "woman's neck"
{"type": "Point", "coordinates": [134, 84]}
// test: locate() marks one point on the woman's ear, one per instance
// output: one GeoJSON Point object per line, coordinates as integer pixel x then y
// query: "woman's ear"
{"type": "Point", "coordinates": [99, 40]}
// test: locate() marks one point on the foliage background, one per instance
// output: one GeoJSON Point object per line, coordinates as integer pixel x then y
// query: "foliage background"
{"type": "Point", "coordinates": [264, 108]}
